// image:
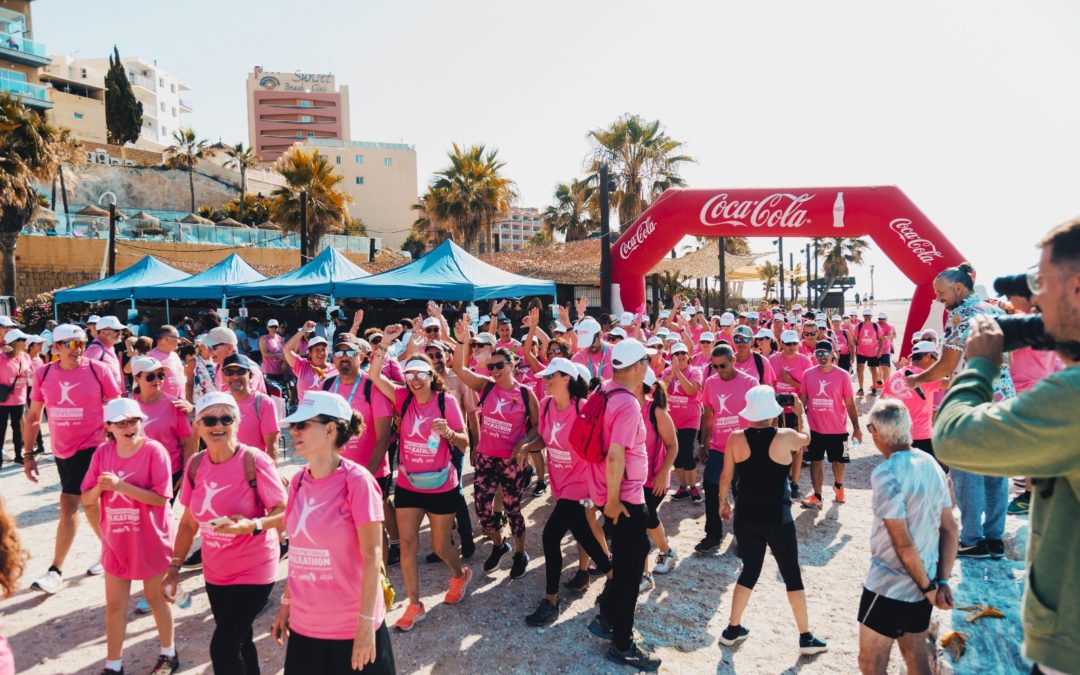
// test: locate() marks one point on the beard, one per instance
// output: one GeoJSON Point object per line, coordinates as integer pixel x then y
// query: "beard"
{"type": "Point", "coordinates": [1066, 324]}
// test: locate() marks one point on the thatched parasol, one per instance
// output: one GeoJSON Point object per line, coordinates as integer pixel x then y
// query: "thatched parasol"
{"type": "Point", "coordinates": [91, 210]}
{"type": "Point", "coordinates": [229, 222]}
{"type": "Point", "coordinates": [143, 217]}
{"type": "Point", "coordinates": [268, 225]}
{"type": "Point", "coordinates": [196, 219]}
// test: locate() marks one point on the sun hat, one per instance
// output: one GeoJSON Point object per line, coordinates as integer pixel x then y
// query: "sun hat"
{"type": "Point", "coordinates": [120, 409]}
{"type": "Point", "coordinates": [68, 331]}
{"type": "Point", "coordinates": [628, 352]}
{"type": "Point", "coordinates": [145, 364]}
{"type": "Point", "coordinates": [559, 365]}
{"type": "Point", "coordinates": [109, 323]}
{"type": "Point", "coordinates": [215, 398]}
{"type": "Point", "coordinates": [316, 402]}
{"type": "Point", "coordinates": [761, 404]}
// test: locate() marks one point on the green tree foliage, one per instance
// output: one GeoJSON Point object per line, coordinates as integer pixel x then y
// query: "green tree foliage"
{"type": "Point", "coordinates": [123, 112]}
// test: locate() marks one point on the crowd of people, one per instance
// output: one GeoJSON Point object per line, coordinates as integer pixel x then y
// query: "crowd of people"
{"type": "Point", "coordinates": [608, 414]}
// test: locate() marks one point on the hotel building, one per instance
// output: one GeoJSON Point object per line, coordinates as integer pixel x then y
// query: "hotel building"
{"type": "Point", "coordinates": [21, 58]}
{"type": "Point", "coordinates": [286, 108]}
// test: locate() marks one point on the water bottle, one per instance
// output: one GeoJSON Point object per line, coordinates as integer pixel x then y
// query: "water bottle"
{"type": "Point", "coordinates": [433, 441]}
{"type": "Point", "coordinates": [180, 597]}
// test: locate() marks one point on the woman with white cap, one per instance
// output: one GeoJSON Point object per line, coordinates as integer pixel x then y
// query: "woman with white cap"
{"type": "Point", "coordinates": [569, 485]}
{"type": "Point", "coordinates": [765, 342]}
{"type": "Point", "coordinates": [763, 511]}
{"type": "Point", "coordinates": [130, 477]}
{"type": "Point", "coordinates": [16, 369]}
{"type": "Point", "coordinates": [167, 417]}
{"type": "Point", "coordinates": [427, 482]}
{"type": "Point", "coordinates": [332, 611]}
{"type": "Point", "coordinates": [684, 405]}
{"type": "Point", "coordinates": [233, 496]}
{"type": "Point", "coordinates": [662, 448]}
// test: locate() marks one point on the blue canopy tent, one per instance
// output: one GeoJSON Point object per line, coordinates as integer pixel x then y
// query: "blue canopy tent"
{"type": "Point", "coordinates": [206, 285]}
{"type": "Point", "coordinates": [448, 272]}
{"type": "Point", "coordinates": [315, 278]}
{"type": "Point", "coordinates": [147, 272]}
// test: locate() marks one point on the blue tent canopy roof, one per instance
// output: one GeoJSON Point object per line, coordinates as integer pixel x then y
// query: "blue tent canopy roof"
{"type": "Point", "coordinates": [315, 278]}
{"type": "Point", "coordinates": [147, 272]}
{"type": "Point", "coordinates": [206, 285]}
{"type": "Point", "coordinates": [448, 272]}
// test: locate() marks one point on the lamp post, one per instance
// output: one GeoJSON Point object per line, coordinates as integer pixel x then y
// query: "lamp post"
{"type": "Point", "coordinates": [780, 242]}
{"type": "Point", "coordinates": [722, 306]}
{"type": "Point", "coordinates": [791, 273]}
{"type": "Point", "coordinates": [872, 282]}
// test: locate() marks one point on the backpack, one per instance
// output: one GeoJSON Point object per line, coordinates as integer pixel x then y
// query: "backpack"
{"type": "Point", "coordinates": [249, 471]}
{"type": "Point", "coordinates": [524, 400]}
{"type": "Point", "coordinates": [759, 361]}
{"type": "Point", "coordinates": [586, 434]}
{"type": "Point", "coordinates": [441, 396]}
{"type": "Point", "coordinates": [368, 384]}
{"type": "Point", "coordinates": [93, 372]}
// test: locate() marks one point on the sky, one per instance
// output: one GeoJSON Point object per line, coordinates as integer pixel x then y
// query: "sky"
{"type": "Point", "coordinates": [965, 105]}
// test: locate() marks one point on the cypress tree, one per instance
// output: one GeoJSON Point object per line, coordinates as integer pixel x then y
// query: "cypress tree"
{"type": "Point", "coordinates": [123, 112]}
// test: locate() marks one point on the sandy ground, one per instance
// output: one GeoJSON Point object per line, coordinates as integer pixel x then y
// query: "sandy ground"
{"type": "Point", "coordinates": [680, 619]}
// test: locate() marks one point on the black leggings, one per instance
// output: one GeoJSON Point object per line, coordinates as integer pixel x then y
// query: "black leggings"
{"type": "Point", "coordinates": [15, 414]}
{"type": "Point", "coordinates": [781, 541]}
{"type": "Point", "coordinates": [304, 654]}
{"type": "Point", "coordinates": [235, 608]}
{"type": "Point", "coordinates": [652, 502]}
{"type": "Point", "coordinates": [568, 515]}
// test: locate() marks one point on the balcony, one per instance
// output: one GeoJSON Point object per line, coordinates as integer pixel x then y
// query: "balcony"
{"type": "Point", "coordinates": [18, 49]}
{"type": "Point", "coordinates": [185, 107]}
{"type": "Point", "coordinates": [33, 95]}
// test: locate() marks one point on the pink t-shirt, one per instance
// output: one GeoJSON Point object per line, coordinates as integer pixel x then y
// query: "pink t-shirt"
{"type": "Point", "coordinates": [166, 424]}
{"type": "Point", "coordinates": [599, 365]}
{"type": "Point", "coordinates": [502, 421]}
{"type": "Point", "coordinates": [749, 366]}
{"type": "Point", "coordinates": [1028, 366]}
{"type": "Point", "coordinates": [223, 490]}
{"type": "Point", "coordinates": [920, 408]}
{"type": "Point", "coordinates": [795, 367]}
{"type": "Point", "coordinates": [74, 404]}
{"type": "Point", "coordinates": [654, 444]}
{"type": "Point", "coordinates": [825, 393]}
{"type": "Point", "coordinates": [175, 378]}
{"type": "Point", "coordinates": [308, 377]}
{"type": "Point", "coordinates": [568, 472]}
{"type": "Point", "coordinates": [256, 423]}
{"type": "Point", "coordinates": [256, 382]}
{"type": "Point", "coordinates": [414, 454]}
{"type": "Point", "coordinates": [136, 538]}
{"type": "Point", "coordinates": [685, 410]}
{"type": "Point", "coordinates": [16, 371]}
{"type": "Point", "coordinates": [888, 334]}
{"type": "Point", "coordinates": [867, 339]}
{"type": "Point", "coordinates": [726, 399]}
{"type": "Point", "coordinates": [622, 426]}
{"type": "Point", "coordinates": [359, 448]}
{"type": "Point", "coordinates": [97, 351]}
{"type": "Point", "coordinates": [326, 565]}
{"type": "Point", "coordinates": [274, 361]}
{"type": "Point", "coordinates": [841, 341]}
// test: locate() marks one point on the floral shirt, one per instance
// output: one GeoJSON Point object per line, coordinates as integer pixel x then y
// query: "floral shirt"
{"type": "Point", "coordinates": [956, 334]}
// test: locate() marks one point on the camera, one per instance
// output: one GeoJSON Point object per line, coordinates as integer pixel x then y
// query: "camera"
{"type": "Point", "coordinates": [786, 400]}
{"type": "Point", "coordinates": [1024, 330]}
{"type": "Point", "coordinates": [1013, 284]}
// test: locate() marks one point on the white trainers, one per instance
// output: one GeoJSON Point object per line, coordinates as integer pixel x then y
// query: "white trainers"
{"type": "Point", "coordinates": [95, 570]}
{"type": "Point", "coordinates": [665, 562]}
{"type": "Point", "coordinates": [49, 583]}
{"type": "Point", "coordinates": [647, 583]}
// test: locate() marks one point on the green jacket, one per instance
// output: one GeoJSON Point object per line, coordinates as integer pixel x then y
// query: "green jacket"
{"type": "Point", "coordinates": [1036, 434]}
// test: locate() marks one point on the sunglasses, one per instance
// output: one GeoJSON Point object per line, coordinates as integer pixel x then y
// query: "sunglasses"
{"type": "Point", "coordinates": [214, 420]}
{"type": "Point", "coordinates": [614, 338]}
{"type": "Point", "coordinates": [150, 377]}
{"type": "Point", "coordinates": [128, 423]}
{"type": "Point", "coordinates": [556, 350]}
{"type": "Point", "coordinates": [234, 372]}
{"type": "Point", "coordinates": [417, 376]}
{"type": "Point", "coordinates": [346, 352]}
{"type": "Point", "coordinates": [478, 345]}
{"type": "Point", "coordinates": [819, 353]}
{"type": "Point", "coordinates": [497, 365]}
{"type": "Point", "coordinates": [435, 356]}
{"type": "Point", "coordinates": [721, 366]}
{"type": "Point", "coordinates": [431, 329]}
{"type": "Point", "coordinates": [548, 377]}
{"type": "Point", "coordinates": [809, 334]}
{"type": "Point", "coordinates": [739, 340]}
{"type": "Point", "coordinates": [791, 344]}
{"type": "Point", "coordinates": [301, 425]}
{"type": "Point", "coordinates": [73, 344]}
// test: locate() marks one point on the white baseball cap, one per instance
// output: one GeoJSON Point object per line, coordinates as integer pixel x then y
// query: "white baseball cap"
{"type": "Point", "coordinates": [867, 311]}
{"type": "Point", "coordinates": [707, 336]}
{"type": "Point", "coordinates": [145, 364]}
{"type": "Point", "coordinates": [219, 335]}
{"type": "Point", "coordinates": [628, 352]}
{"type": "Point", "coordinates": [68, 331]}
{"type": "Point", "coordinates": [690, 310]}
{"type": "Point", "coordinates": [484, 320]}
{"type": "Point", "coordinates": [654, 341]}
{"type": "Point", "coordinates": [837, 317]}
{"type": "Point", "coordinates": [94, 318]}
{"type": "Point", "coordinates": [924, 347]}
{"type": "Point", "coordinates": [14, 335]}
{"type": "Point", "coordinates": [618, 332]}
{"type": "Point", "coordinates": [929, 334]}
{"type": "Point", "coordinates": [110, 322]}
{"type": "Point", "coordinates": [727, 318]}
{"type": "Point", "coordinates": [6, 322]}
{"type": "Point", "coordinates": [317, 403]}
{"type": "Point", "coordinates": [315, 342]}
{"type": "Point", "coordinates": [559, 328]}
{"type": "Point", "coordinates": [626, 318]}
{"type": "Point", "coordinates": [796, 307]}
{"type": "Point", "coordinates": [120, 409]}
{"type": "Point", "coordinates": [559, 365]}
{"type": "Point", "coordinates": [882, 315]}
{"type": "Point", "coordinates": [662, 332]}
{"type": "Point", "coordinates": [272, 322]}
{"type": "Point", "coordinates": [761, 404]}
{"type": "Point", "coordinates": [853, 313]}
{"type": "Point", "coordinates": [665, 313]}
{"type": "Point", "coordinates": [215, 398]}
{"type": "Point", "coordinates": [765, 333]}
{"type": "Point", "coordinates": [416, 366]}
{"type": "Point", "coordinates": [34, 339]}
{"type": "Point", "coordinates": [679, 348]}
{"type": "Point", "coordinates": [650, 378]}
{"type": "Point", "coordinates": [431, 321]}
{"type": "Point", "coordinates": [586, 331]}
{"type": "Point", "coordinates": [752, 315]}
{"type": "Point", "coordinates": [820, 323]}
{"type": "Point", "coordinates": [916, 336]}
{"type": "Point", "coordinates": [485, 338]}
{"type": "Point", "coordinates": [583, 371]}
{"type": "Point", "coordinates": [789, 336]}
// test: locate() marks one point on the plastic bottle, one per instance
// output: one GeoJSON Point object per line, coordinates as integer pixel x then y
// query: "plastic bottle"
{"type": "Point", "coordinates": [433, 441]}
{"type": "Point", "coordinates": [180, 597]}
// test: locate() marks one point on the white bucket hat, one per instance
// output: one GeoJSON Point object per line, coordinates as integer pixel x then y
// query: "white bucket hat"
{"type": "Point", "coordinates": [761, 404]}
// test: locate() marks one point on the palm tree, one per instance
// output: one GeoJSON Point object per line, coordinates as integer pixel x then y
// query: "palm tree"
{"type": "Point", "coordinates": [427, 228]}
{"type": "Point", "coordinates": [241, 159]}
{"type": "Point", "coordinates": [769, 274]}
{"type": "Point", "coordinates": [571, 212]}
{"type": "Point", "coordinates": [796, 278]}
{"type": "Point", "coordinates": [185, 153]}
{"type": "Point", "coordinates": [313, 174]}
{"type": "Point", "coordinates": [643, 160]}
{"type": "Point", "coordinates": [839, 253]}
{"type": "Point", "coordinates": [31, 150]}
{"type": "Point", "coordinates": [469, 194]}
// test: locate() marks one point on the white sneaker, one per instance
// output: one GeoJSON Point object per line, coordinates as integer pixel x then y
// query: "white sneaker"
{"type": "Point", "coordinates": [95, 570]}
{"type": "Point", "coordinates": [647, 583]}
{"type": "Point", "coordinates": [49, 583]}
{"type": "Point", "coordinates": [665, 562]}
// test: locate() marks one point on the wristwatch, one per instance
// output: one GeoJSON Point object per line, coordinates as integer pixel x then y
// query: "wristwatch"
{"type": "Point", "coordinates": [929, 589]}
{"type": "Point", "coordinates": [258, 527]}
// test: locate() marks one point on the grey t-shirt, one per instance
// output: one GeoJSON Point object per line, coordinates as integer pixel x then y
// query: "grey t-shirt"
{"type": "Point", "coordinates": [908, 486]}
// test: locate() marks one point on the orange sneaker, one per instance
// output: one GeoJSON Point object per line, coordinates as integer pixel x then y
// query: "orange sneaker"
{"type": "Point", "coordinates": [413, 614]}
{"type": "Point", "coordinates": [457, 587]}
{"type": "Point", "coordinates": [839, 495]}
{"type": "Point", "coordinates": [812, 502]}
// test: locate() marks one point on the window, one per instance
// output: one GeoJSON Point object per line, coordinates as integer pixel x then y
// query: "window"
{"type": "Point", "coordinates": [359, 180]}
{"type": "Point", "coordinates": [337, 159]}
{"type": "Point", "coordinates": [161, 82]}
{"type": "Point", "coordinates": [78, 116]}
{"type": "Point", "coordinates": [359, 159]}
{"type": "Point", "coordinates": [305, 104]}
{"type": "Point", "coordinates": [172, 88]}
{"type": "Point", "coordinates": [174, 112]}
{"type": "Point", "coordinates": [163, 106]}
{"type": "Point", "coordinates": [386, 161]}
{"type": "Point", "coordinates": [84, 73]}
{"type": "Point", "coordinates": [305, 118]}
{"type": "Point", "coordinates": [299, 134]}
{"type": "Point", "coordinates": [311, 134]}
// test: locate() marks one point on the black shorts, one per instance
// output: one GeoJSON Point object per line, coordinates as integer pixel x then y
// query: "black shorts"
{"type": "Point", "coordinates": [885, 360]}
{"type": "Point", "coordinates": [844, 361]}
{"type": "Point", "coordinates": [386, 484]}
{"type": "Point", "coordinates": [789, 421]}
{"type": "Point", "coordinates": [927, 446]}
{"type": "Point", "coordinates": [827, 445]}
{"type": "Point", "coordinates": [439, 503]}
{"type": "Point", "coordinates": [72, 471]}
{"type": "Point", "coordinates": [686, 459]}
{"type": "Point", "coordinates": [872, 361]}
{"type": "Point", "coordinates": [893, 618]}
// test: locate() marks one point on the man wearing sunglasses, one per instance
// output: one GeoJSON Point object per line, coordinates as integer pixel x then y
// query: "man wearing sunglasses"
{"type": "Point", "coordinates": [750, 362]}
{"type": "Point", "coordinates": [222, 342]}
{"type": "Point", "coordinates": [258, 417]}
{"type": "Point", "coordinates": [827, 395]}
{"type": "Point", "coordinates": [103, 348]}
{"type": "Point", "coordinates": [919, 401]}
{"type": "Point", "coordinates": [72, 390]}
{"type": "Point", "coordinates": [168, 340]}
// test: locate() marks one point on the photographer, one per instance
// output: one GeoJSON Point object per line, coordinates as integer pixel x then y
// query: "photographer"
{"type": "Point", "coordinates": [1034, 434]}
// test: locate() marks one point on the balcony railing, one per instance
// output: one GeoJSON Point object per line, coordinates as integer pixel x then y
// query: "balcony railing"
{"type": "Point", "coordinates": [17, 88]}
{"type": "Point", "coordinates": [20, 44]}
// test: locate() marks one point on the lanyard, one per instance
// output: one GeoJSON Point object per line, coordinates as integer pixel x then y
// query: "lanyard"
{"type": "Point", "coordinates": [355, 384]}
{"type": "Point", "coordinates": [599, 369]}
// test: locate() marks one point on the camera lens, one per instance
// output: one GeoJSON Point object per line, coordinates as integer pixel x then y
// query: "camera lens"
{"type": "Point", "coordinates": [1013, 284]}
{"type": "Point", "coordinates": [1024, 330]}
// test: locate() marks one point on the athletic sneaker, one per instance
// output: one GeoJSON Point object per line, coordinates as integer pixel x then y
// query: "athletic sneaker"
{"type": "Point", "coordinates": [194, 561]}
{"type": "Point", "coordinates": [166, 665]}
{"type": "Point", "coordinates": [707, 545]}
{"type": "Point", "coordinates": [647, 583]}
{"type": "Point", "coordinates": [497, 553]}
{"type": "Point", "coordinates": [635, 657]}
{"type": "Point", "coordinates": [1020, 504]}
{"type": "Point", "coordinates": [143, 607]}
{"type": "Point", "coordinates": [527, 478]}
{"type": "Point", "coordinates": [468, 548]}
{"type": "Point", "coordinates": [996, 548]}
{"type": "Point", "coordinates": [110, 671]}
{"type": "Point", "coordinates": [49, 583]}
{"type": "Point", "coordinates": [95, 570]}
{"type": "Point", "coordinates": [665, 562]}
{"type": "Point", "coordinates": [540, 489]}
{"type": "Point", "coordinates": [681, 494]}
{"type": "Point", "coordinates": [578, 583]}
{"type": "Point", "coordinates": [811, 502]}
{"type": "Point", "coordinates": [544, 614]}
{"type": "Point", "coordinates": [600, 627]}
{"type": "Point", "coordinates": [839, 499]}
{"type": "Point", "coordinates": [695, 495]}
{"type": "Point", "coordinates": [457, 587]}
{"type": "Point", "coordinates": [414, 613]}
{"type": "Point", "coordinates": [521, 562]}
{"type": "Point", "coordinates": [979, 550]}
{"type": "Point", "coordinates": [860, 393]}
{"type": "Point", "coordinates": [733, 634]}
{"type": "Point", "coordinates": [808, 645]}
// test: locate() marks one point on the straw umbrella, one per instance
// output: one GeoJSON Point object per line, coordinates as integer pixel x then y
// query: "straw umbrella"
{"type": "Point", "coordinates": [196, 219]}
{"type": "Point", "coordinates": [268, 225]}
{"type": "Point", "coordinates": [229, 222]}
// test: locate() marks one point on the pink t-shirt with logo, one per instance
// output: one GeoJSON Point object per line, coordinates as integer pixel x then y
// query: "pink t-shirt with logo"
{"type": "Point", "coordinates": [359, 448]}
{"type": "Point", "coordinates": [795, 367]}
{"type": "Point", "coordinates": [567, 471]}
{"type": "Point", "coordinates": [175, 377]}
{"type": "Point", "coordinates": [920, 408]}
{"type": "Point", "coordinates": [825, 393]}
{"type": "Point", "coordinates": [888, 333]}
{"type": "Point", "coordinates": [274, 362]}
{"type": "Point", "coordinates": [166, 424]}
{"type": "Point", "coordinates": [16, 371]}
{"type": "Point", "coordinates": [654, 444]}
{"type": "Point", "coordinates": [622, 426]}
{"type": "Point", "coordinates": [255, 424]}
{"type": "Point", "coordinates": [74, 402]}
{"type": "Point", "coordinates": [414, 454]}
{"type": "Point", "coordinates": [726, 399]}
{"type": "Point", "coordinates": [97, 351]}
{"type": "Point", "coordinates": [308, 377]}
{"type": "Point", "coordinates": [222, 490]}
{"type": "Point", "coordinates": [841, 341]}
{"type": "Point", "coordinates": [685, 410]}
{"type": "Point", "coordinates": [7, 659]}
{"type": "Point", "coordinates": [867, 339]}
{"type": "Point", "coordinates": [749, 366]}
{"type": "Point", "coordinates": [136, 538]}
{"type": "Point", "coordinates": [599, 365]}
{"type": "Point", "coordinates": [502, 421]}
{"type": "Point", "coordinates": [326, 565]}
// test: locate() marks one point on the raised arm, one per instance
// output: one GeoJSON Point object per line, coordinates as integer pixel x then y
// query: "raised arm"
{"type": "Point", "coordinates": [290, 349]}
{"type": "Point", "coordinates": [471, 379]}
{"type": "Point", "coordinates": [527, 347]}
{"type": "Point", "coordinates": [388, 388]}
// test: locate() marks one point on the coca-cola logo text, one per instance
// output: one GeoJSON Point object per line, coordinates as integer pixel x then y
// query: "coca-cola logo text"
{"type": "Point", "coordinates": [924, 249]}
{"type": "Point", "coordinates": [781, 209]}
{"type": "Point", "coordinates": [647, 227]}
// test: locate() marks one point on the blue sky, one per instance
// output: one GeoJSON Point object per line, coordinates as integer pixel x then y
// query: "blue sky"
{"type": "Point", "coordinates": [970, 107]}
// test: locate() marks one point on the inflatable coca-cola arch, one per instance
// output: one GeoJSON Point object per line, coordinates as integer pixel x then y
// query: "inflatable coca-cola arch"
{"type": "Point", "coordinates": [883, 213]}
